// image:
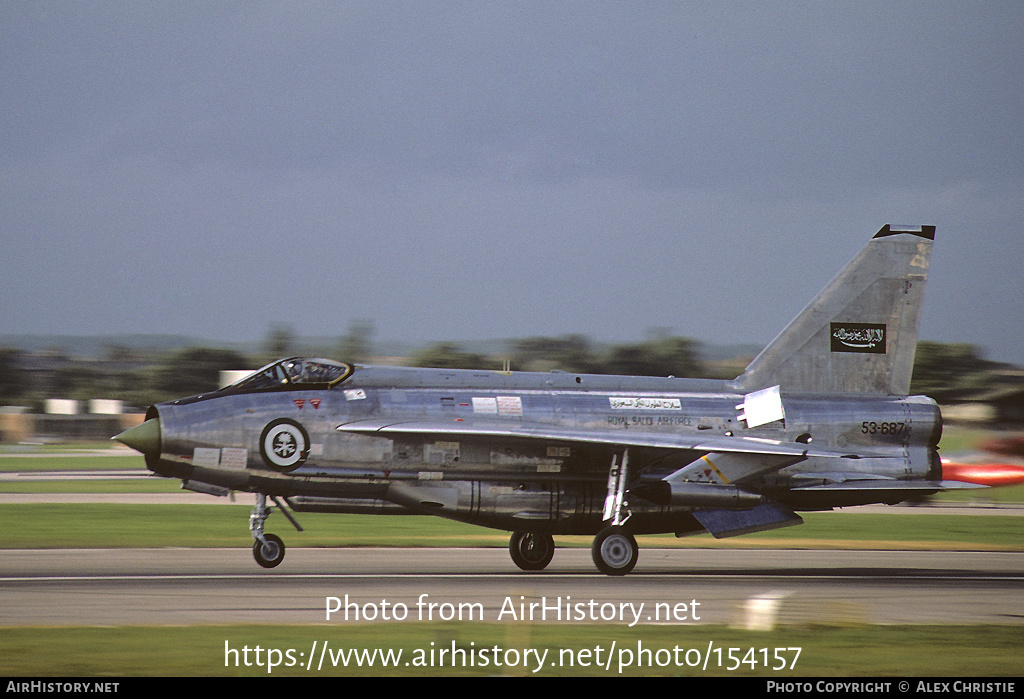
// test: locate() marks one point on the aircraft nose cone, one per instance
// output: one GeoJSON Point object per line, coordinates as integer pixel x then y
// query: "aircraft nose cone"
{"type": "Point", "coordinates": [143, 438]}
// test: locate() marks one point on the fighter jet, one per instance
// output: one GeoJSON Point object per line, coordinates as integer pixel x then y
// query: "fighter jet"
{"type": "Point", "coordinates": [820, 419]}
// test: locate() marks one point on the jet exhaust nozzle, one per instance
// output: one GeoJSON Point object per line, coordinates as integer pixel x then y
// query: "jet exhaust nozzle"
{"type": "Point", "coordinates": [144, 438]}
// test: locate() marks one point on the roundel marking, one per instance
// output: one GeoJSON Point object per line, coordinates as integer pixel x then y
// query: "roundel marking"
{"type": "Point", "coordinates": [284, 445]}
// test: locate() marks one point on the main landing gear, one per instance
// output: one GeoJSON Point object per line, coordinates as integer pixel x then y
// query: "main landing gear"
{"type": "Point", "coordinates": [268, 549]}
{"type": "Point", "coordinates": [615, 551]}
{"type": "Point", "coordinates": [531, 551]}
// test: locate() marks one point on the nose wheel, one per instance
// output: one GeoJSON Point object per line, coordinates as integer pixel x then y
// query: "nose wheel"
{"type": "Point", "coordinates": [269, 552]}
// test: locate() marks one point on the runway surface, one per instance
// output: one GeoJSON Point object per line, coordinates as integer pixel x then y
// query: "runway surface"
{"type": "Point", "coordinates": [219, 586]}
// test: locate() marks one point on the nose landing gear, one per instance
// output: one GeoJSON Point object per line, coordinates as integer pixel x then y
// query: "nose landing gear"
{"type": "Point", "coordinates": [268, 549]}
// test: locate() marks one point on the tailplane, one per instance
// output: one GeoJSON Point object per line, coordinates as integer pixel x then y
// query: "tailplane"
{"type": "Point", "coordinates": [859, 334]}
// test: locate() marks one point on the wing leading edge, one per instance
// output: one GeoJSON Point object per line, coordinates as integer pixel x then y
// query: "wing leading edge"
{"type": "Point", "coordinates": [475, 429]}
{"type": "Point", "coordinates": [733, 459]}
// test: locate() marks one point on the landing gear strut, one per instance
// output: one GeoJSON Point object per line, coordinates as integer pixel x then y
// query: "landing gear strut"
{"type": "Point", "coordinates": [615, 551]}
{"type": "Point", "coordinates": [531, 551]}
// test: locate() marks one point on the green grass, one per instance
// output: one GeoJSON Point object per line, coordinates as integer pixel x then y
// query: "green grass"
{"type": "Point", "coordinates": [59, 447]}
{"type": "Point", "coordinates": [959, 438]}
{"type": "Point", "coordinates": [29, 464]}
{"type": "Point", "coordinates": [99, 485]}
{"type": "Point", "coordinates": [123, 526]}
{"type": "Point", "coordinates": [1005, 495]}
{"type": "Point", "coordinates": [890, 651]}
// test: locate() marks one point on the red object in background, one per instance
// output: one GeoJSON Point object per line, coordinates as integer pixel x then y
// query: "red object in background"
{"type": "Point", "coordinates": [1011, 446]}
{"type": "Point", "coordinates": [984, 474]}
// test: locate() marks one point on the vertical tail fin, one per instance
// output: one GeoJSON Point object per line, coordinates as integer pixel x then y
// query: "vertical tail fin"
{"type": "Point", "coordinates": [860, 333]}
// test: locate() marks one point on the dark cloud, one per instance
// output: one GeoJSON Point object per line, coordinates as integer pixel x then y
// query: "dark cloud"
{"type": "Point", "coordinates": [466, 169]}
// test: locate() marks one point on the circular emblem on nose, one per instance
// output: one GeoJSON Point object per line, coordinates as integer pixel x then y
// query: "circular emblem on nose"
{"type": "Point", "coordinates": [284, 445]}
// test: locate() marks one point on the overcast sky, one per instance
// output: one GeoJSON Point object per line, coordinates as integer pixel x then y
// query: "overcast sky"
{"type": "Point", "coordinates": [471, 170]}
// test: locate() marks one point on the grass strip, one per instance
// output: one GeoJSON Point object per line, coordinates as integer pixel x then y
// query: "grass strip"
{"type": "Point", "coordinates": [572, 650]}
{"type": "Point", "coordinates": [98, 485]}
{"type": "Point", "coordinates": [75, 525]}
{"type": "Point", "coordinates": [28, 464]}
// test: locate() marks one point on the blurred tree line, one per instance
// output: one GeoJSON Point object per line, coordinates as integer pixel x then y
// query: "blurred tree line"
{"type": "Point", "coordinates": [140, 378]}
{"type": "Point", "coordinates": [953, 371]}
{"type": "Point", "coordinates": [659, 356]}
{"type": "Point", "coordinates": [946, 372]}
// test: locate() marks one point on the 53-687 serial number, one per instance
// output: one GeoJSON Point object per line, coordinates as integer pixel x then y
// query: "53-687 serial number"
{"type": "Point", "coordinates": [893, 428]}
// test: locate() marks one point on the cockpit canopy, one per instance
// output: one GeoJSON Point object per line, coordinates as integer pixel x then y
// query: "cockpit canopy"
{"type": "Point", "coordinates": [296, 373]}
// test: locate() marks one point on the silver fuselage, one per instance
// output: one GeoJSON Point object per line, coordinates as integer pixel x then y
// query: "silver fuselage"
{"type": "Point", "coordinates": [496, 448]}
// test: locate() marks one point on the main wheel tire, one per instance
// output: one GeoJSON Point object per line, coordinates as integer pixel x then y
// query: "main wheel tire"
{"type": "Point", "coordinates": [615, 552]}
{"type": "Point", "coordinates": [271, 554]}
{"type": "Point", "coordinates": [531, 551]}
